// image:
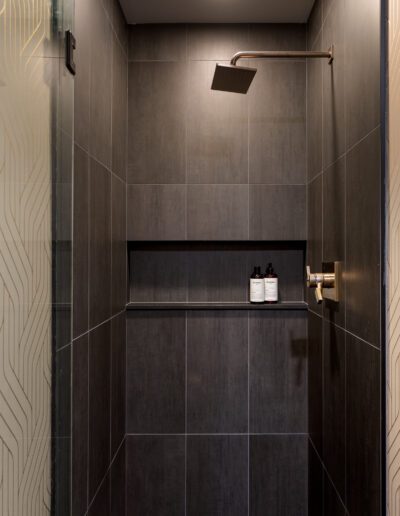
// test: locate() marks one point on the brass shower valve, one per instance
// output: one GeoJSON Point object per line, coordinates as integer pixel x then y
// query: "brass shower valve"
{"type": "Point", "coordinates": [325, 283]}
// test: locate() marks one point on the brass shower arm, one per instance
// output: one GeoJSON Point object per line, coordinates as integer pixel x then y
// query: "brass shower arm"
{"type": "Point", "coordinates": [281, 54]}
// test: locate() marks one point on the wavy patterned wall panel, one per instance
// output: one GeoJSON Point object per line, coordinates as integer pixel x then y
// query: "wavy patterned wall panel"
{"type": "Point", "coordinates": [393, 356]}
{"type": "Point", "coordinates": [26, 77]}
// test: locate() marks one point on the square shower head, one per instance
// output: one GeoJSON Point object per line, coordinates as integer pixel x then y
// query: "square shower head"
{"type": "Point", "coordinates": [236, 79]}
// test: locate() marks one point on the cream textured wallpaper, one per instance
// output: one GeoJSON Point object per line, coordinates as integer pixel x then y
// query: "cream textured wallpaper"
{"type": "Point", "coordinates": [27, 68]}
{"type": "Point", "coordinates": [393, 353]}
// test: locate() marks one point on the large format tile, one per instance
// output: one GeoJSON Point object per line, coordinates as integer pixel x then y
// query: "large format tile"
{"type": "Point", "coordinates": [99, 244]}
{"type": "Point", "coordinates": [100, 505]}
{"type": "Point", "coordinates": [277, 36]}
{"type": "Point", "coordinates": [217, 212]}
{"type": "Point", "coordinates": [99, 405]}
{"type": "Point", "coordinates": [80, 422]}
{"type": "Point", "coordinates": [119, 109]}
{"type": "Point", "coordinates": [217, 131]}
{"type": "Point", "coordinates": [118, 483]}
{"type": "Point", "coordinates": [334, 233]}
{"type": "Point", "coordinates": [156, 122]}
{"type": "Point", "coordinates": [363, 440]}
{"type": "Point", "coordinates": [157, 42]}
{"type": "Point", "coordinates": [100, 86]}
{"type": "Point", "coordinates": [315, 483]}
{"type": "Point", "coordinates": [217, 372]}
{"type": "Point", "coordinates": [363, 181]}
{"type": "Point", "coordinates": [215, 41]}
{"type": "Point", "coordinates": [80, 242]}
{"type": "Point", "coordinates": [83, 13]}
{"type": "Point", "coordinates": [159, 276]}
{"type": "Point", "coordinates": [315, 393]}
{"type": "Point", "coordinates": [217, 275]}
{"type": "Point", "coordinates": [314, 24]}
{"type": "Point", "coordinates": [156, 372]}
{"type": "Point", "coordinates": [314, 242]}
{"type": "Point", "coordinates": [278, 372]}
{"type": "Point", "coordinates": [217, 475]}
{"type": "Point", "coordinates": [118, 380]}
{"type": "Point", "coordinates": [62, 392]}
{"type": "Point", "coordinates": [156, 212]}
{"type": "Point", "coordinates": [61, 450]}
{"type": "Point", "coordinates": [277, 121]}
{"type": "Point", "coordinates": [314, 113]}
{"type": "Point", "coordinates": [278, 475]}
{"type": "Point", "coordinates": [277, 212]}
{"type": "Point", "coordinates": [362, 68]}
{"type": "Point", "coordinates": [118, 258]}
{"type": "Point", "coordinates": [155, 475]}
{"type": "Point", "coordinates": [334, 414]}
{"type": "Point", "coordinates": [333, 505]}
{"type": "Point", "coordinates": [333, 85]}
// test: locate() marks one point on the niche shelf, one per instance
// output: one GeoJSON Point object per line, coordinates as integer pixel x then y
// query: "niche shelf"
{"type": "Point", "coordinates": [217, 306]}
{"type": "Point", "coordinates": [212, 275]}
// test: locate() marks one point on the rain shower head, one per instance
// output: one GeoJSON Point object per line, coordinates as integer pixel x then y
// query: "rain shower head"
{"type": "Point", "coordinates": [236, 79]}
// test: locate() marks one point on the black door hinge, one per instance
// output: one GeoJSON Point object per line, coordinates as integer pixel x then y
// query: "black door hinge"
{"type": "Point", "coordinates": [70, 46]}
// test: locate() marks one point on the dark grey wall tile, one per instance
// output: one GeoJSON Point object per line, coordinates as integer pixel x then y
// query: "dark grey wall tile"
{"type": "Point", "coordinates": [216, 41]}
{"type": "Point", "coordinates": [315, 386]}
{"type": "Point", "coordinates": [156, 212]}
{"type": "Point", "coordinates": [83, 32]}
{"type": "Point", "coordinates": [278, 372]}
{"type": "Point", "coordinates": [278, 475]}
{"type": "Point", "coordinates": [314, 113]}
{"type": "Point", "coordinates": [156, 122]}
{"type": "Point", "coordinates": [158, 42]}
{"type": "Point", "coordinates": [217, 475]}
{"type": "Point", "coordinates": [80, 422]}
{"type": "Point", "coordinates": [363, 181]}
{"type": "Point", "coordinates": [118, 381]}
{"type": "Point", "coordinates": [314, 242]}
{"type": "Point", "coordinates": [217, 130]}
{"type": "Point", "coordinates": [61, 478]}
{"type": "Point", "coordinates": [277, 212]}
{"type": "Point", "coordinates": [333, 505]}
{"type": "Point", "coordinates": [218, 276]}
{"type": "Point", "coordinates": [100, 505]}
{"type": "Point", "coordinates": [119, 109]}
{"type": "Point", "coordinates": [333, 85]}
{"type": "Point", "coordinates": [100, 86]}
{"type": "Point", "coordinates": [277, 121]}
{"type": "Point", "coordinates": [99, 244]}
{"type": "Point", "coordinates": [119, 254]}
{"type": "Point", "coordinates": [277, 36]}
{"type": "Point", "coordinates": [118, 483]}
{"type": "Point", "coordinates": [217, 212]}
{"type": "Point", "coordinates": [363, 427]}
{"type": "Point", "coordinates": [62, 394]}
{"type": "Point", "coordinates": [314, 23]}
{"type": "Point", "coordinates": [156, 372]}
{"type": "Point", "coordinates": [334, 233]}
{"type": "Point", "coordinates": [217, 372]}
{"type": "Point", "coordinates": [80, 242]}
{"type": "Point", "coordinates": [315, 483]}
{"type": "Point", "coordinates": [362, 68]}
{"type": "Point", "coordinates": [157, 487]}
{"type": "Point", "coordinates": [334, 418]}
{"type": "Point", "coordinates": [99, 405]}
{"type": "Point", "coordinates": [159, 276]}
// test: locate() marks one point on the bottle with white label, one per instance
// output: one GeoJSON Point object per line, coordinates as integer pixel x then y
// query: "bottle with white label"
{"type": "Point", "coordinates": [270, 285]}
{"type": "Point", "coordinates": [257, 287]}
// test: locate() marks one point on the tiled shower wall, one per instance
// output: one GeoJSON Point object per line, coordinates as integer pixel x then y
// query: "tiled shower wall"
{"type": "Point", "coordinates": [99, 260]}
{"type": "Point", "coordinates": [344, 207]}
{"type": "Point", "coordinates": [216, 400]}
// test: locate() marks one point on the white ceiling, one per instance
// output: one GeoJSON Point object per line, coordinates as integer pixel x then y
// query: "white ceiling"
{"type": "Point", "coordinates": [217, 11]}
